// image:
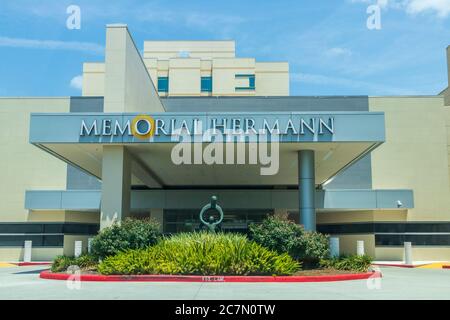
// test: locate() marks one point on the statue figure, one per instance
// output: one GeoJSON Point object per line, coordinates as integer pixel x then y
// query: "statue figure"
{"type": "Point", "coordinates": [211, 223]}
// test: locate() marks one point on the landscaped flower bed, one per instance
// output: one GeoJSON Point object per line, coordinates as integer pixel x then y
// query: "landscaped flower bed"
{"type": "Point", "coordinates": [275, 248]}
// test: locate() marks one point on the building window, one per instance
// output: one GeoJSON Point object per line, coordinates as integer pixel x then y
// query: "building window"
{"type": "Point", "coordinates": [206, 84]}
{"type": "Point", "coordinates": [233, 221]}
{"type": "Point", "coordinates": [163, 84]}
{"type": "Point", "coordinates": [251, 82]}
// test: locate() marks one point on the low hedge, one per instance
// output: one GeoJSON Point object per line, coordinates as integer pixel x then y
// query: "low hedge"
{"type": "Point", "coordinates": [348, 263]}
{"type": "Point", "coordinates": [201, 253]}
{"type": "Point", "coordinates": [283, 236]}
{"type": "Point", "coordinates": [84, 262]}
{"type": "Point", "coordinates": [129, 234]}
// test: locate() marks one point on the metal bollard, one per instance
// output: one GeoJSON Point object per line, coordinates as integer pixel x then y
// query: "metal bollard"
{"type": "Point", "coordinates": [334, 247]}
{"type": "Point", "coordinates": [28, 246]}
{"type": "Point", "coordinates": [360, 248]}
{"type": "Point", "coordinates": [78, 248]}
{"type": "Point", "coordinates": [408, 253]}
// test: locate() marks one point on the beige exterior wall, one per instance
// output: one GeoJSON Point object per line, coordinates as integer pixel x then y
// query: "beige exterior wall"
{"type": "Point", "coordinates": [347, 244]}
{"type": "Point", "coordinates": [37, 254]}
{"type": "Point", "coordinates": [446, 91]}
{"type": "Point", "coordinates": [185, 62]}
{"type": "Point", "coordinates": [272, 78]}
{"type": "Point", "coordinates": [93, 79]}
{"type": "Point", "coordinates": [447, 120]}
{"type": "Point", "coordinates": [224, 76]}
{"type": "Point", "coordinates": [195, 49]}
{"type": "Point", "coordinates": [362, 216]}
{"type": "Point", "coordinates": [415, 154]}
{"type": "Point", "coordinates": [418, 254]}
{"type": "Point", "coordinates": [69, 244]}
{"type": "Point", "coordinates": [127, 83]}
{"type": "Point", "coordinates": [64, 216]}
{"type": "Point", "coordinates": [184, 77]}
{"type": "Point", "coordinates": [25, 167]}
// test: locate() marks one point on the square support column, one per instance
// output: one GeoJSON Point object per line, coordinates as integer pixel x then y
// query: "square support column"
{"type": "Point", "coordinates": [116, 185]}
{"type": "Point", "coordinates": [307, 186]}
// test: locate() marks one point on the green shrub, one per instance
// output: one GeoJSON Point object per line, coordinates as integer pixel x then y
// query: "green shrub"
{"type": "Point", "coordinates": [87, 262]}
{"type": "Point", "coordinates": [61, 263]}
{"type": "Point", "coordinates": [313, 247]}
{"type": "Point", "coordinates": [277, 234]}
{"type": "Point", "coordinates": [130, 234]}
{"type": "Point", "coordinates": [201, 253]}
{"type": "Point", "coordinates": [348, 263]}
{"type": "Point", "coordinates": [285, 236]}
{"type": "Point", "coordinates": [84, 262]}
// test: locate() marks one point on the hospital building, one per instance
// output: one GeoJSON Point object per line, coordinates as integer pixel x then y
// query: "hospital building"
{"type": "Point", "coordinates": [355, 167]}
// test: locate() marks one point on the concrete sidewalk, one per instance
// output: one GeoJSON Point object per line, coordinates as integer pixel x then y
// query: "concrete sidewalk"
{"type": "Point", "coordinates": [397, 283]}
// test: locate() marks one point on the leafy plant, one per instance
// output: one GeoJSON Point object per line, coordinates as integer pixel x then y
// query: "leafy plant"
{"type": "Point", "coordinates": [61, 263]}
{"type": "Point", "coordinates": [313, 246]}
{"type": "Point", "coordinates": [348, 263]}
{"type": "Point", "coordinates": [284, 236]}
{"type": "Point", "coordinates": [84, 262]}
{"type": "Point", "coordinates": [201, 253]}
{"type": "Point", "coordinates": [130, 234]}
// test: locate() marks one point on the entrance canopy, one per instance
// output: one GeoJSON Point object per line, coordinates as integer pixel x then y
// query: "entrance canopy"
{"type": "Point", "coordinates": [159, 160]}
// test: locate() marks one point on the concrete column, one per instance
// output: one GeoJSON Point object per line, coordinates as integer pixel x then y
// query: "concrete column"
{"type": "Point", "coordinates": [78, 248]}
{"type": "Point", "coordinates": [408, 253]}
{"type": "Point", "coordinates": [116, 185]}
{"type": "Point", "coordinates": [306, 186]}
{"type": "Point", "coordinates": [158, 215]}
{"type": "Point", "coordinates": [334, 247]}
{"type": "Point", "coordinates": [360, 247]}
{"type": "Point", "coordinates": [28, 246]}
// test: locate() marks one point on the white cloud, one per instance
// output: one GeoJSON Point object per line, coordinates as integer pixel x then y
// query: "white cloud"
{"type": "Point", "coordinates": [382, 3]}
{"type": "Point", "coordinates": [413, 7]}
{"type": "Point", "coordinates": [77, 82]}
{"type": "Point", "coordinates": [440, 7]}
{"type": "Point", "coordinates": [338, 51]}
{"type": "Point", "coordinates": [88, 47]}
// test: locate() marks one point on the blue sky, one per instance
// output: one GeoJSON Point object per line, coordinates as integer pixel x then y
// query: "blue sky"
{"type": "Point", "coordinates": [327, 43]}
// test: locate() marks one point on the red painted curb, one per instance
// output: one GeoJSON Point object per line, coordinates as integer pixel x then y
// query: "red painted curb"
{"type": "Point", "coordinates": [177, 278]}
{"type": "Point", "coordinates": [28, 264]}
{"type": "Point", "coordinates": [398, 265]}
{"type": "Point", "coordinates": [446, 267]}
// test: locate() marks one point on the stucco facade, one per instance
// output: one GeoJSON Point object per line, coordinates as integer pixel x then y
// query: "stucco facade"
{"type": "Point", "coordinates": [381, 173]}
{"type": "Point", "coordinates": [200, 68]}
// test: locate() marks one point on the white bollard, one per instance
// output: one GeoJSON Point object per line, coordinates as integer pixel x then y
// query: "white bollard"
{"type": "Point", "coordinates": [78, 248]}
{"type": "Point", "coordinates": [408, 253]}
{"type": "Point", "coordinates": [90, 244]}
{"type": "Point", "coordinates": [360, 247]}
{"type": "Point", "coordinates": [28, 246]}
{"type": "Point", "coordinates": [334, 247]}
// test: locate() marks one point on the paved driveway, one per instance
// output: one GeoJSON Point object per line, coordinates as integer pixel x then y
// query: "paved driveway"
{"type": "Point", "coordinates": [397, 283]}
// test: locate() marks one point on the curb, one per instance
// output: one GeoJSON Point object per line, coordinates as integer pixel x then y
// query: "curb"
{"type": "Point", "coordinates": [29, 264]}
{"type": "Point", "coordinates": [176, 278]}
{"type": "Point", "coordinates": [398, 265]}
{"type": "Point", "coordinates": [446, 267]}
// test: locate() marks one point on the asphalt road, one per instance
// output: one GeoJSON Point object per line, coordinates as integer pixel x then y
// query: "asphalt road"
{"type": "Point", "coordinates": [397, 283]}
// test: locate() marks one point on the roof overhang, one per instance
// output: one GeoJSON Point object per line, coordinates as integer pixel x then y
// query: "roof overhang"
{"type": "Point", "coordinates": [144, 200]}
{"type": "Point", "coordinates": [338, 139]}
